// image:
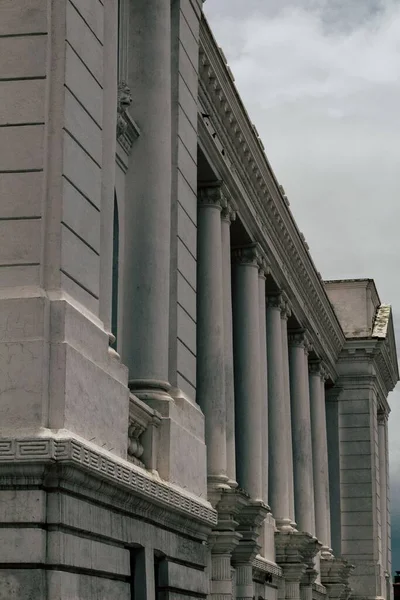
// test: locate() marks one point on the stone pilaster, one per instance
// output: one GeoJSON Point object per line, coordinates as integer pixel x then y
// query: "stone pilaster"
{"type": "Point", "coordinates": [320, 457]}
{"type": "Point", "coordinates": [210, 323]}
{"type": "Point", "coordinates": [301, 432]}
{"type": "Point", "coordinates": [247, 369]}
{"type": "Point", "coordinates": [228, 215]}
{"type": "Point", "coordinates": [383, 482]}
{"type": "Point", "coordinates": [148, 206]}
{"type": "Point", "coordinates": [278, 426]}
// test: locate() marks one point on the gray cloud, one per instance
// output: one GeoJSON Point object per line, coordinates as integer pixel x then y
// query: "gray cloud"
{"type": "Point", "coordinates": [320, 79]}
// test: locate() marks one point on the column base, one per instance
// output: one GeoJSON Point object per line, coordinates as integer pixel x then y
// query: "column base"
{"type": "Point", "coordinates": [216, 484]}
{"type": "Point", "coordinates": [150, 390]}
{"type": "Point", "coordinates": [285, 525]}
{"type": "Point", "coordinates": [326, 553]}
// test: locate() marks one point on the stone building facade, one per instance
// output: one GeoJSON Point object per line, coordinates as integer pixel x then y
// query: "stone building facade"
{"type": "Point", "coordinates": [187, 410]}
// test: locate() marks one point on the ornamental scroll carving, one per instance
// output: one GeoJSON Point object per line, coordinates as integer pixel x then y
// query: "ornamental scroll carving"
{"type": "Point", "coordinates": [142, 434]}
{"type": "Point", "coordinates": [124, 102]}
{"type": "Point", "coordinates": [300, 340]}
{"type": "Point", "coordinates": [250, 255]}
{"type": "Point", "coordinates": [127, 130]}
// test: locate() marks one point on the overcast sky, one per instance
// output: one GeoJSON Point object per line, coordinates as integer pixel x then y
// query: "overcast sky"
{"type": "Point", "coordinates": [321, 82]}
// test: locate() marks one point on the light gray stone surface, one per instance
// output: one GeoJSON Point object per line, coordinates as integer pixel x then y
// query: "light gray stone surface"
{"type": "Point", "coordinates": [96, 498]}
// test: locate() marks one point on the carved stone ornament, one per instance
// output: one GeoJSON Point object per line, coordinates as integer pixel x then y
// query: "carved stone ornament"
{"type": "Point", "coordinates": [212, 195]}
{"type": "Point", "coordinates": [127, 130]}
{"type": "Point", "coordinates": [316, 368]}
{"type": "Point", "coordinates": [229, 212]}
{"type": "Point", "coordinates": [277, 301]}
{"type": "Point", "coordinates": [141, 420]}
{"type": "Point", "coordinates": [250, 255]}
{"type": "Point", "coordinates": [300, 340]}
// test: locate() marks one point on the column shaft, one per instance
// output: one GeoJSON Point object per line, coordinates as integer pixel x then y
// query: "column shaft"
{"type": "Point", "coordinates": [320, 456]}
{"type": "Point", "coordinates": [210, 323]}
{"type": "Point", "coordinates": [244, 582]}
{"type": "Point", "coordinates": [227, 216]}
{"type": "Point", "coordinates": [278, 427]}
{"type": "Point", "coordinates": [264, 382]}
{"type": "Point", "coordinates": [148, 206]}
{"type": "Point", "coordinates": [286, 384]}
{"type": "Point", "coordinates": [247, 371]}
{"type": "Point", "coordinates": [301, 431]}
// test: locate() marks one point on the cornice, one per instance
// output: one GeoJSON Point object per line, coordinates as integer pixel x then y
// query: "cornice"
{"type": "Point", "coordinates": [372, 350]}
{"type": "Point", "coordinates": [263, 206]}
{"type": "Point", "coordinates": [87, 464]}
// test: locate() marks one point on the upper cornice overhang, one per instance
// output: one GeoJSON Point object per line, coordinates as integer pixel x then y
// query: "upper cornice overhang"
{"type": "Point", "coordinates": [369, 359]}
{"type": "Point", "coordinates": [232, 142]}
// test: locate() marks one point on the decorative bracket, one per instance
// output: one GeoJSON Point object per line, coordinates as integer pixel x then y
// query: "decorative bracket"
{"type": "Point", "coordinates": [127, 130]}
{"type": "Point", "coordinates": [142, 434]}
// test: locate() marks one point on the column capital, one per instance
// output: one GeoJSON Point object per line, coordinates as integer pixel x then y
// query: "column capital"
{"type": "Point", "coordinates": [286, 310]}
{"type": "Point", "coordinates": [300, 339]}
{"type": "Point", "coordinates": [317, 367]}
{"type": "Point", "coordinates": [212, 195]}
{"type": "Point", "coordinates": [263, 268]}
{"type": "Point", "coordinates": [229, 212]}
{"type": "Point", "coordinates": [276, 301]}
{"type": "Point", "coordinates": [383, 417]}
{"type": "Point", "coordinates": [250, 255]}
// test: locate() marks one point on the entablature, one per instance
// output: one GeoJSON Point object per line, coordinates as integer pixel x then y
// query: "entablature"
{"type": "Point", "coordinates": [232, 143]}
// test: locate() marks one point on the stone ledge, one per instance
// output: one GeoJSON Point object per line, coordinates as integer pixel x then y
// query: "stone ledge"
{"type": "Point", "coordinates": [261, 564]}
{"type": "Point", "coordinates": [112, 470]}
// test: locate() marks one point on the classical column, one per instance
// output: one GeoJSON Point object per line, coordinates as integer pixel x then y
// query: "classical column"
{"type": "Point", "coordinates": [264, 377]}
{"type": "Point", "coordinates": [278, 426]}
{"type": "Point", "coordinates": [228, 215]}
{"type": "Point", "coordinates": [148, 204]}
{"type": "Point", "coordinates": [210, 326]}
{"type": "Point", "coordinates": [247, 370]}
{"type": "Point", "coordinates": [320, 457]}
{"type": "Point", "coordinates": [285, 314]}
{"type": "Point", "coordinates": [301, 432]}
{"type": "Point", "coordinates": [382, 433]}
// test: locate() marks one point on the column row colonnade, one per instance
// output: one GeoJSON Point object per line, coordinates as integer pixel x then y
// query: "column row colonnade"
{"type": "Point", "coordinates": [263, 399]}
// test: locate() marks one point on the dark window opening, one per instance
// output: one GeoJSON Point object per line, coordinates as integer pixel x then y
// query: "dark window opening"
{"type": "Point", "coordinates": [115, 275]}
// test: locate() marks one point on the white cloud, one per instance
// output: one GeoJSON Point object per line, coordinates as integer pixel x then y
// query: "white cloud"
{"type": "Point", "coordinates": [321, 81]}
